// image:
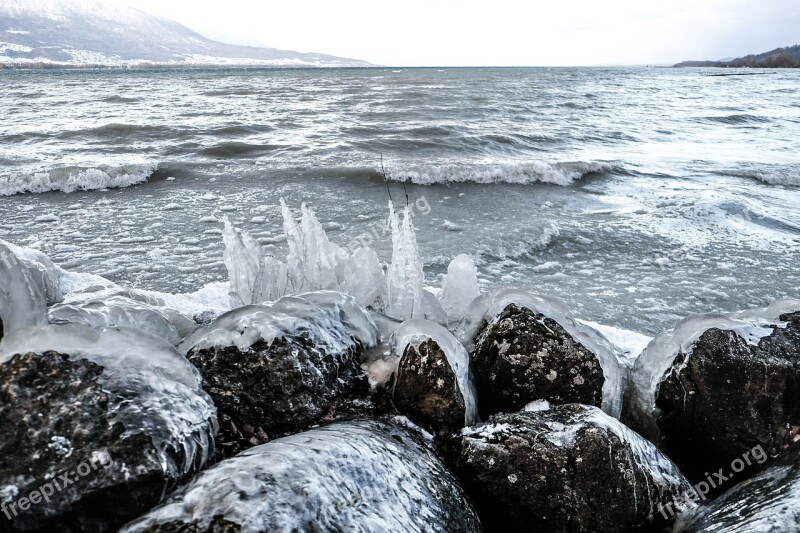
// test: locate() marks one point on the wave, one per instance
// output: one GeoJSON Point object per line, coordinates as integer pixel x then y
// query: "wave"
{"type": "Point", "coordinates": [787, 174]}
{"type": "Point", "coordinates": [735, 120]}
{"type": "Point", "coordinates": [233, 149]}
{"type": "Point", "coordinates": [563, 173]}
{"type": "Point", "coordinates": [71, 179]}
{"type": "Point", "coordinates": [521, 243]}
{"type": "Point", "coordinates": [117, 99]}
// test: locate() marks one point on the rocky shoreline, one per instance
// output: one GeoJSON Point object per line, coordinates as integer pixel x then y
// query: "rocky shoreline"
{"type": "Point", "coordinates": [316, 411]}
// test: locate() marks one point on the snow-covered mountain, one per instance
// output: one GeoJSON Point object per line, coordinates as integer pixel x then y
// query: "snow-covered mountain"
{"type": "Point", "coordinates": [82, 32]}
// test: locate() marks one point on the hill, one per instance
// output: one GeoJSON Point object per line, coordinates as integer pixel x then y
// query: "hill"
{"type": "Point", "coordinates": [63, 33]}
{"type": "Point", "coordinates": [788, 57]}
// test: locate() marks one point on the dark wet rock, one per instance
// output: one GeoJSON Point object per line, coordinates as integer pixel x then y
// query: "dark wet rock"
{"type": "Point", "coordinates": [216, 525]}
{"type": "Point", "coordinates": [522, 356]}
{"type": "Point", "coordinates": [278, 388]}
{"type": "Point", "coordinates": [73, 431]}
{"type": "Point", "coordinates": [361, 475]}
{"type": "Point", "coordinates": [569, 468]}
{"type": "Point", "coordinates": [727, 396]}
{"type": "Point", "coordinates": [426, 388]}
{"type": "Point", "coordinates": [768, 501]}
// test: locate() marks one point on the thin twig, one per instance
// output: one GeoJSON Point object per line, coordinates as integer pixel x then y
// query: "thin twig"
{"type": "Point", "coordinates": [385, 179]}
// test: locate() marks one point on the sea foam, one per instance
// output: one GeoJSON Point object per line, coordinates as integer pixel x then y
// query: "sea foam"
{"type": "Point", "coordinates": [71, 179]}
{"type": "Point", "coordinates": [560, 173]}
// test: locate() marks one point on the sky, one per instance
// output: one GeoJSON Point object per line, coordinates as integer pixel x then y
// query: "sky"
{"type": "Point", "coordinates": [496, 33]}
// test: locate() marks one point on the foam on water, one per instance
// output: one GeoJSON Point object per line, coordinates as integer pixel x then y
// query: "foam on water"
{"type": "Point", "coordinates": [559, 173]}
{"type": "Point", "coordinates": [71, 179]}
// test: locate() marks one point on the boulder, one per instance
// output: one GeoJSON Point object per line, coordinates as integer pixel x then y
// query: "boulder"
{"type": "Point", "coordinates": [565, 468]}
{"type": "Point", "coordinates": [724, 384]}
{"type": "Point", "coordinates": [521, 356]}
{"type": "Point", "coordinates": [280, 368]}
{"type": "Point", "coordinates": [768, 501]}
{"type": "Point", "coordinates": [97, 432]}
{"type": "Point", "coordinates": [362, 475]}
{"type": "Point", "coordinates": [426, 388]}
{"type": "Point", "coordinates": [275, 389]}
{"type": "Point", "coordinates": [432, 381]}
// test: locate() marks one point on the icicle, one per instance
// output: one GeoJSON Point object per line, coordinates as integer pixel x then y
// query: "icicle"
{"type": "Point", "coordinates": [294, 238]}
{"type": "Point", "coordinates": [242, 258]}
{"type": "Point", "coordinates": [405, 277]}
{"type": "Point", "coordinates": [324, 262]}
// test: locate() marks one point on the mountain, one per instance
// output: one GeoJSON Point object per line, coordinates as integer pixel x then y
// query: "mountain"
{"type": "Point", "coordinates": [74, 33]}
{"type": "Point", "coordinates": [788, 57]}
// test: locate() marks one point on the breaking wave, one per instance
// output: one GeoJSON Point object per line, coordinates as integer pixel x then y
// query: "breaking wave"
{"type": "Point", "coordinates": [71, 179]}
{"type": "Point", "coordinates": [564, 173]}
{"type": "Point", "coordinates": [788, 174]}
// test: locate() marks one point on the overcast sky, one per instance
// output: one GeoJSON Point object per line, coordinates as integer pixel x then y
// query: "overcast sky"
{"type": "Point", "coordinates": [497, 32]}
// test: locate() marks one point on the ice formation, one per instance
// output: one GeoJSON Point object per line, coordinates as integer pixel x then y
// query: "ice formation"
{"type": "Point", "coordinates": [169, 406]}
{"type": "Point", "coordinates": [100, 307]}
{"type": "Point", "coordinates": [254, 276]}
{"type": "Point", "coordinates": [364, 279]}
{"type": "Point", "coordinates": [315, 263]}
{"type": "Point", "coordinates": [432, 309]}
{"type": "Point", "coordinates": [361, 475]}
{"type": "Point", "coordinates": [654, 362]}
{"type": "Point", "coordinates": [22, 297]}
{"type": "Point", "coordinates": [404, 279]}
{"type": "Point", "coordinates": [459, 287]}
{"type": "Point", "coordinates": [331, 320]}
{"type": "Point", "coordinates": [489, 305]}
{"type": "Point", "coordinates": [415, 332]}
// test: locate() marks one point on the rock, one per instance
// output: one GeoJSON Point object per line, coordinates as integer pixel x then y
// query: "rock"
{"type": "Point", "coordinates": [729, 384]}
{"type": "Point", "coordinates": [93, 440]}
{"type": "Point", "coordinates": [347, 476]}
{"type": "Point", "coordinates": [432, 381]}
{"type": "Point", "coordinates": [275, 389]}
{"type": "Point", "coordinates": [279, 368]}
{"type": "Point", "coordinates": [769, 501]}
{"type": "Point", "coordinates": [426, 388]}
{"type": "Point", "coordinates": [569, 468]}
{"type": "Point", "coordinates": [522, 356]}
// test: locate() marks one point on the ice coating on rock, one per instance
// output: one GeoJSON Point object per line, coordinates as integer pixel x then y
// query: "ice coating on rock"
{"type": "Point", "coordinates": [415, 332]}
{"type": "Point", "coordinates": [22, 296]}
{"type": "Point", "coordinates": [459, 287]}
{"type": "Point", "coordinates": [404, 279]}
{"type": "Point", "coordinates": [331, 320]}
{"type": "Point", "coordinates": [654, 362]}
{"type": "Point", "coordinates": [563, 424]}
{"type": "Point", "coordinates": [254, 276]}
{"type": "Point", "coordinates": [156, 390]}
{"type": "Point", "coordinates": [349, 476]}
{"type": "Point", "coordinates": [116, 311]}
{"type": "Point", "coordinates": [767, 502]}
{"type": "Point", "coordinates": [489, 305]}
